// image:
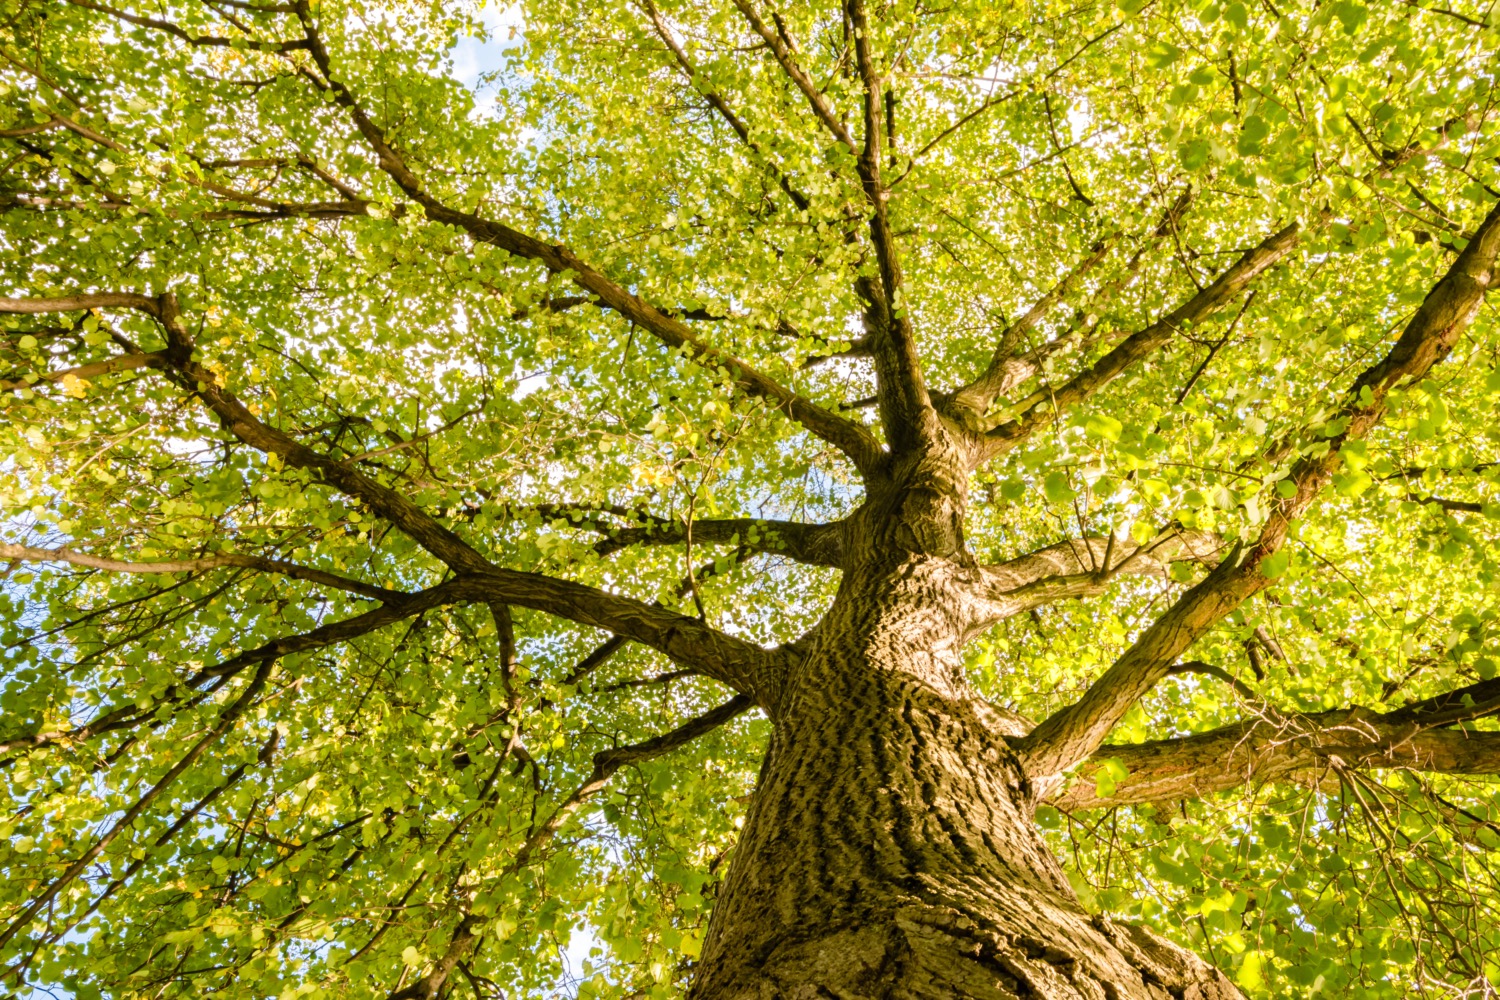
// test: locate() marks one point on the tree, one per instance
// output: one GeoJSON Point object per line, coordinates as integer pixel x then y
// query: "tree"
{"type": "Point", "coordinates": [875, 500]}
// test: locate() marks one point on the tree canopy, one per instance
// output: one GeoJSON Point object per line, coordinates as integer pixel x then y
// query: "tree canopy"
{"type": "Point", "coordinates": [414, 488]}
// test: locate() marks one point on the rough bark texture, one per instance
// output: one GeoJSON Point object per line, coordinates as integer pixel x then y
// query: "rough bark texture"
{"type": "Point", "coordinates": [890, 850]}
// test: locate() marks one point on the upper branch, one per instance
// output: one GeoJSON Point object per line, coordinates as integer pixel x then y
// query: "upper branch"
{"type": "Point", "coordinates": [239, 421]}
{"type": "Point", "coordinates": [980, 393]}
{"type": "Point", "coordinates": [787, 59]}
{"type": "Point", "coordinates": [1081, 567]}
{"type": "Point", "coordinates": [716, 100]}
{"type": "Point", "coordinates": [177, 31]}
{"type": "Point", "coordinates": [396, 608]}
{"type": "Point", "coordinates": [906, 408]}
{"type": "Point", "coordinates": [1026, 361]}
{"type": "Point", "coordinates": [848, 436]}
{"type": "Point", "coordinates": [1076, 731]}
{"type": "Point", "coordinates": [1142, 343]}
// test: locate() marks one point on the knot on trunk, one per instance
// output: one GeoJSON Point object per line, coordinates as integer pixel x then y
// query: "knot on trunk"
{"type": "Point", "coordinates": [931, 522]}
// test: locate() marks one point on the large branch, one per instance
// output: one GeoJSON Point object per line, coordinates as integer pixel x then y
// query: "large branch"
{"type": "Point", "coordinates": [1015, 359]}
{"type": "Point", "coordinates": [1300, 747]}
{"type": "Point", "coordinates": [906, 411]}
{"type": "Point", "coordinates": [244, 425]}
{"type": "Point", "coordinates": [1074, 733]}
{"type": "Point", "coordinates": [981, 392]}
{"type": "Point", "coordinates": [265, 564]}
{"type": "Point", "coordinates": [688, 641]}
{"type": "Point", "coordinates": [1141, 344]}
{"type": "Point", "coordinates": [849, 437]}
{"type": "Point", "coordinates": [814, 544]}
{"type": "Point", "coordinates": [717, 101]}
{"type": "Point", "coordinates": [214, 41]}
{"type": "Point", "coordinates": [699, 647]}
{"type": "Point", "coordinates": [1082, 567]}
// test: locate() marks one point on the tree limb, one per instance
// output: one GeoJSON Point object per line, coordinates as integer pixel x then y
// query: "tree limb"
{"type": "Point", "coordinates": [1297, 747]}
{"type": "Point", "coordinates": [1075, 732]}
{"type": "Point", "coordinates": [396, 608]}
{"type": "Point", "coordinates": [857, 443]}
{"type": "Point", "coordinates": [1142, 343]}
{"type": "Point", "coordinates": [226, 719]}
{"type": "Point", "coordinates": [244, 425]}
{"type": "Point", "coordinates": [981, 392]}
{"type": "Point", "coordinates": [743, 666]}
{"type": "Point", "coordinates": [266, 565]}
{"type": "Point", "coordinates": [906, 410]}
{"type": "Point", "coordinates": [814, 544]}
{"type": "Point", "coordinates": [1081, 567]}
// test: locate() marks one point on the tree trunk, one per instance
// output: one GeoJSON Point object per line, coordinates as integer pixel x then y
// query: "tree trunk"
{"type": "Point", "coordinates": [890, 851]}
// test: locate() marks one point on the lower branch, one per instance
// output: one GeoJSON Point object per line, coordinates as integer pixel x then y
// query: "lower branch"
{"type": "Point", "coordinates": [1302, 748]}
{"type": "Point", "coordinates": [226, 720]}
{"type": "Point", "coordinates": [466, 935]}
{"type": "Point", "coordinates": [129, 715]}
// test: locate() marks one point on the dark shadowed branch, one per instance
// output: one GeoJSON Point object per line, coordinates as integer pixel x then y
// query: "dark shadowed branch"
{"type": "Point", "coordinates": [261, 563]}
{"type": "Point", "coordinates": [398, 607]}
{"type": "Point", "coordinates": [467, 932]}
{"type": "Point", "coordinates": [226, 720]}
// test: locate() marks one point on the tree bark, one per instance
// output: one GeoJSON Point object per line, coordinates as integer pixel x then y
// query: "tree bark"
{"type": "Point", "coordinates": [890, 850]}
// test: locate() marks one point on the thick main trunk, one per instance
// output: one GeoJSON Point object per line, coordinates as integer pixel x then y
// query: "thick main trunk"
{"type": "Point", "coordinates": [890, 851]}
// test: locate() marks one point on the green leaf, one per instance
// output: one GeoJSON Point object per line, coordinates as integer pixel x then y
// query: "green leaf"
{"type": "Point", "coordinates": [1352, 15]}
{"type": "Point", "coordinates": [1057, 487]}
{"type": "Point", "coordinates": [1160, 54]}
{"type": "Point", "coordinates": [1102, 426]}
{"type": "Point", "coordinates": [1274, 566]}
{"type": "Point", "coordinates": [1353, 483]}
{"type": "Point", "coordinates": [1250, 974]}
{"type": "Point", "coordinates": [1252, 133]}
{"type": "Point", "coordinates": [1108, 775]}
{"type": "Point", "coordinates": [1193, 154]}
